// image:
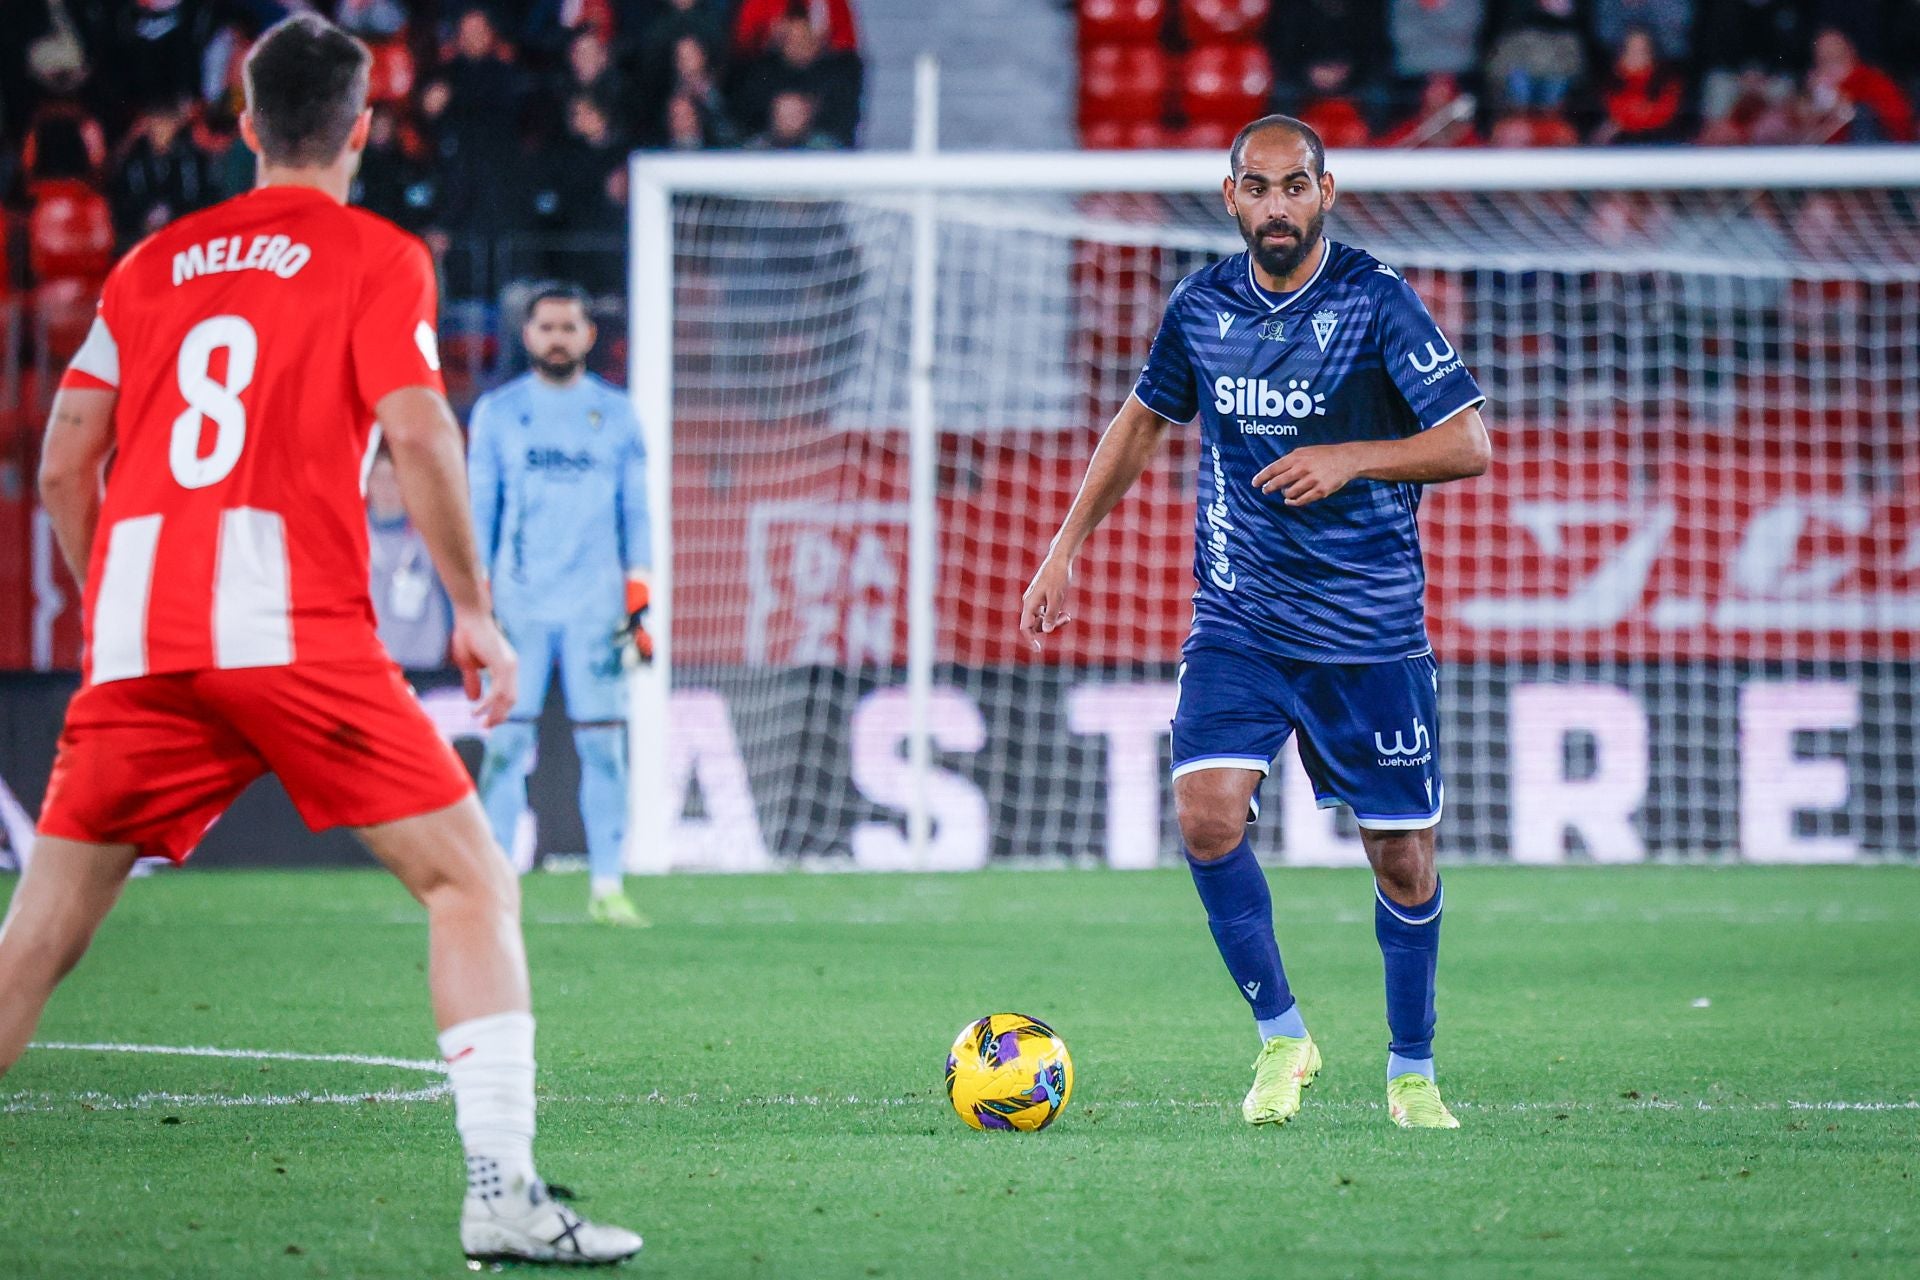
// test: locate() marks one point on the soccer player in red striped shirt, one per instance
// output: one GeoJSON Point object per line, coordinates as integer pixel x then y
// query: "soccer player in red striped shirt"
{"type": "Point", "coordinates": [240, 362]}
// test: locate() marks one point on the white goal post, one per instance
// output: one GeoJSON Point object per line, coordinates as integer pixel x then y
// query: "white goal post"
{"type": "Point", "coordinates": [1680, 617]}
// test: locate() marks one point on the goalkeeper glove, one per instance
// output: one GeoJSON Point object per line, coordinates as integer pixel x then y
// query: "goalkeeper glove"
{"type": "Point", "coordinates": [636, 643]}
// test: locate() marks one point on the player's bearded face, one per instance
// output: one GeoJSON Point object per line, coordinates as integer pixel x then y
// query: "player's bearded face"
{"type": "Point", "coordinates": [558, 339]}
{"type": "Point", "coordinates": [1280, 239]}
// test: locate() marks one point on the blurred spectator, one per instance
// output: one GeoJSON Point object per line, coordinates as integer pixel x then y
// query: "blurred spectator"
{"type": "Point", "coordinates": [63, 141]}
{"type": "Point", "coordinates": [1331, 109]}
{"type": "Point", "coordinates": [652, 42]}
{"type": "Point", "coordinates": [150, 51]}
{"type": "Point", "coordinates": [1760, 110]}
{"type": "Point", "coordinates": [1537, 58]}
{"type": "Point", "coordinates": [1642, 94]}
{"type": "Point", "coordinates": [693, 88]}
{"type": "Point", "coordinates": [483, 86]}
{"type": "Point", "coordinates": [1734, 37]}
{"type": "Point", "coordinates": [571, 191]}
{"type": "Point", "coordinates": [472, 110]}
{"type": "Point", "coordinates": [1304, 33]}
{"type": "Point", "coordinates": [686, 131]}
{"type": "Point", "coordinates": [1435, 37]}
{"type": "Point", "coordinates": [394, 180]}
{"type": "Point", "coordinates": [800, 60]}
{"type": "Point", "coordinates": [161, 174]}
{"type": "Point", "coordinates": [230, 166]}
{"type": "Point", "coordinates": [1669, 22]}
{"type": "Point", "coordinates": [1839, 82]}
{"type": "Point", "coordinates": [409, 604]}
{"type": "Point", "coordinates": [590, 71]}
{"type": "Point", "coordinates": [1542, 128]}
{"type": "Point", "coordinates": [791, 127]}
{"type": "Point", "coordinates": [550, 26]}
{"type": "Point", "coordinates": [757, 25]}
{"type": "Point", "coordinates": [372, 19]}
{"type": "Point", "coordinates": [1444, 118]}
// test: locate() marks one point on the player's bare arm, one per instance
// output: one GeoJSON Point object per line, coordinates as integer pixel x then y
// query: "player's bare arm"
{"type": "Point", "coordinates": [1125, 449]}
{"type": "Point", "coordinates": [1457, 449]}
{"type": "Point", "coordinates": [429, 459]}
{"type": "Point", "coordinates": [79, 438]}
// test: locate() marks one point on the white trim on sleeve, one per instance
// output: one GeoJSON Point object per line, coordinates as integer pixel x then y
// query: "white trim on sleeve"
{"type": "Point", "coordinates": [99, 356]}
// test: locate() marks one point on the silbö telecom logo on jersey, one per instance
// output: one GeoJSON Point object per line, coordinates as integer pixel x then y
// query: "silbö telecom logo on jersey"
{"type": "Point", "coordinates": [1258, 401]}
{"type": "Point", "coordinates": [1219, 525]}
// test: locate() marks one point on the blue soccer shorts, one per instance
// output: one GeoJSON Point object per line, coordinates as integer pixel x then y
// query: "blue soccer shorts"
{"type": "Point", "coordinates": [1369, 732]}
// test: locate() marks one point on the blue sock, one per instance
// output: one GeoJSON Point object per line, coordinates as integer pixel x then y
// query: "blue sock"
{"type": "Point", "coordinates": [1410, 947]}
{"type": "Point", "coordinates": [1240, 913]}
{"type": "Point", "coordinates": [1399, 1066]}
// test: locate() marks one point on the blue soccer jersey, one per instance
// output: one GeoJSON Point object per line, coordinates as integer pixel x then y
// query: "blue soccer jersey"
{"type": "Point", "coordinates": [1351, 355]}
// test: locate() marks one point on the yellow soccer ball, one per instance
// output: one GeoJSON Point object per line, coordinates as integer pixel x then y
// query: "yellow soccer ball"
{"type": "Point", "coordinates": [1009, 1071]}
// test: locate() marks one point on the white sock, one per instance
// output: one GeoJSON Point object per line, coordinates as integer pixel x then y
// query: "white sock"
{"type": "Point", "coordinates": [604, 885]}
{"type": "Point", "coordinates": [490, 1066]}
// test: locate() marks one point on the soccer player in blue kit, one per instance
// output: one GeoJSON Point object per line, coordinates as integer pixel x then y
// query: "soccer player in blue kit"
{"type": "Point", "coordinates": [1327, 397]}
{"type": "Point", "coordinates": [558, 474]}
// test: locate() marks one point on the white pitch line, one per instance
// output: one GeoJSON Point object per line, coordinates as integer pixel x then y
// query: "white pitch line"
{"type": "Point", "coordinates": [249, 1055]}
{"type": "Point", "coordinates": [40, 1102]}
{"type": "Point", "coordinates": [690, 1100]}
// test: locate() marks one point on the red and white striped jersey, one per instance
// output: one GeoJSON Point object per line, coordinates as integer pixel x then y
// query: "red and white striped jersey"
{"type": "Point", "coordinates": [249, 344]}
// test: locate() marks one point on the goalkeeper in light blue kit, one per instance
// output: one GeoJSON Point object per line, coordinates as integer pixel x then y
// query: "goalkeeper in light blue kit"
{"type": "Point", "coordinates": [558, 474]}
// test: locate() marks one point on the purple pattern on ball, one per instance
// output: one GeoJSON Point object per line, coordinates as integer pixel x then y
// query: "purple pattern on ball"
{"type": "Point", "coordinates": [1006, 1046]}
{"type": "Point", "coordinates": [992, 1119]}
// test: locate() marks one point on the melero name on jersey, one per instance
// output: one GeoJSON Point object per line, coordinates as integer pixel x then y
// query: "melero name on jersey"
{"type": "Point", "coordinates": [277, 254]}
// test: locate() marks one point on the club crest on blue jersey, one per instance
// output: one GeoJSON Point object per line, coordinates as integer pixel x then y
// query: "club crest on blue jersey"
{"type": "Point", "coordinates": [1323, 326]}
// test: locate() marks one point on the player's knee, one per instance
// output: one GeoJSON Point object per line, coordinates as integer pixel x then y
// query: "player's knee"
{"type": "Point", "coordinates": [476, 887]}
{"type": "Point", "coordinates": [602, 748]}
{"type": "Point", "coordinates": [1403, 864]}
{"type": "Point", "coordinates": [1211, 832]}
{"type": "Point", "coordinates": [510, 749]}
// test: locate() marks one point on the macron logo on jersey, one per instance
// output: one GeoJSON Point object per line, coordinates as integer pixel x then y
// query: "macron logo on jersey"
{"type": "Point", "coordinates": [1226, 321]}
{"type": "Point", "coordinates": [277, 254]}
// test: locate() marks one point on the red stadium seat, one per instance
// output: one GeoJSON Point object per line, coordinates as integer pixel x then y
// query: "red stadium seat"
{"type": "Point", "coordinates": [69, 232]}
{"type": "Point", "coordinates": [1127, 135]}
{"type": "Point", "coordinates": [1222, 21]}
{"type": "Point", "coordinates": [1121, 22]}
{"type": "Point", "coordinates": [391, 77]}
{"type": "Point", "coordinates": [1121, 83]}
{"type": "Point", "coordinates": [63, 311]}
{"type": "Point", "coordinates": [1225, 84]}
{"type": "Point", "coordinates": [1208, 135]}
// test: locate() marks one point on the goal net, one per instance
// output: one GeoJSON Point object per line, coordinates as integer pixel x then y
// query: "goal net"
{"type": "Point", "coordinates": [1678, 618]}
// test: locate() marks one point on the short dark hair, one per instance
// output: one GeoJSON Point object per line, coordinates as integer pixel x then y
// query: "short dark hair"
{"type": "Point", "coordinates": [559, 291]}
{"type": "Point", "coordinates": [306, 85]}
{"type": "Point", "coordinates": [1299, 128]}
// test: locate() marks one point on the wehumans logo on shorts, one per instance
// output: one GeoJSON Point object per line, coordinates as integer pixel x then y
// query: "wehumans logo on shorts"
{"type": "Point", "coordinates": [1438, 363]}
{"type": "Point", "coordinates": [1219, 525]}
{"type": "Point", "coordinates": [1403, 753]}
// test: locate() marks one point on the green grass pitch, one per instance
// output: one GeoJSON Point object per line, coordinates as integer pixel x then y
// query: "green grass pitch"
{"type": "Point", "coordinates": [1660, 1071]}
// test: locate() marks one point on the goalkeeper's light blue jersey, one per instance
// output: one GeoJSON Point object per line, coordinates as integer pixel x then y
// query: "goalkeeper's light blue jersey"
{"type": "Point", "coordinates": [559, 485]}
{"type": "Point", "coordinates": [1351, 355]}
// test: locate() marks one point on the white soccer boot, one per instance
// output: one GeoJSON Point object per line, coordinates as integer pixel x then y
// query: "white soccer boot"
{"type": "Point", "coordinates": [528, 1224]}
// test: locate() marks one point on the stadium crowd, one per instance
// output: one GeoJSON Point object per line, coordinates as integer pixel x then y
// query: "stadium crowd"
{"type": "Point", "coordinates": [1509, 73]}
{"type": "Point", "coordinates": [491, 119]}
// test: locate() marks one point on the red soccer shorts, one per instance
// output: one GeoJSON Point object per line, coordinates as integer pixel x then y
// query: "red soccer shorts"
{"type": "Point", "coordinates": [153, 761]}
